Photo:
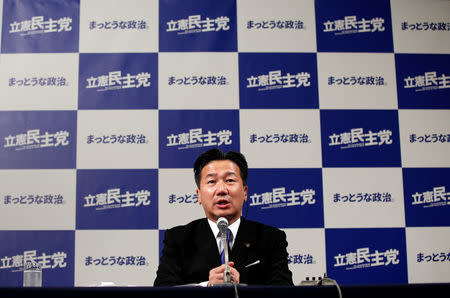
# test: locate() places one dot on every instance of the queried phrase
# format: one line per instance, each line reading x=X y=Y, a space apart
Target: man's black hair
x=217 y=154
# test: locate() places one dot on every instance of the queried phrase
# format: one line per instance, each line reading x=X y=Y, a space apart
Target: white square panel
x=114 y=139
x=306 y=257
x=37 y=199
x=357 y=81
x=276 y=26
x=39 y=81
x=428 y=251
x=416 y=28
x=424 y=138
x=363 y=197
x=178 y=204
x=123 y=257
x=281 y=138
x=198 y=81
x=116 y=26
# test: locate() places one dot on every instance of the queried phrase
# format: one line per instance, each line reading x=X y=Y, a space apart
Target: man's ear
x=245 y=193
x=198 y=196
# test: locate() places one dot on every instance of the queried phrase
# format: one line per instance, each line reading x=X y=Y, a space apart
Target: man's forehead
x=227 y=167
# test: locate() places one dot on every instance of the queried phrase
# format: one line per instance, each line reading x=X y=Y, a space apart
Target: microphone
x=222 y=224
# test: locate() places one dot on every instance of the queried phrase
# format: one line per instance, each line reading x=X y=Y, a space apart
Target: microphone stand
x=227 y=273
x=227 y=278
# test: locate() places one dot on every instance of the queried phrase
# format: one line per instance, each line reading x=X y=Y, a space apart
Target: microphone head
x=222 y=224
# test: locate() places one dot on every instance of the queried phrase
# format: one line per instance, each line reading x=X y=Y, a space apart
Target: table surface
x=384 y=291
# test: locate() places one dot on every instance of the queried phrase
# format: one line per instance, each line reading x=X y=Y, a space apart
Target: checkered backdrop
x=341 y=107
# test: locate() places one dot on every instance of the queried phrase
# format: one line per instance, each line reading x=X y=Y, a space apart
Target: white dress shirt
x=233 y=228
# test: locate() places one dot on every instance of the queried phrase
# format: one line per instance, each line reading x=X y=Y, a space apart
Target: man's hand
x=216 y=274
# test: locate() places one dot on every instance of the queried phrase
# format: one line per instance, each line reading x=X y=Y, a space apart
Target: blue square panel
x=117 y=199
x=184 y=135
x=53 y=250
x=366 y=256
x=38 y=26
x=197 y=25
x=38 y=139
x=118 y=81
x=353 y=26
x=278 y=81
x=427 y=194
x=286 y=198
x=423 y=81
x=365 y=138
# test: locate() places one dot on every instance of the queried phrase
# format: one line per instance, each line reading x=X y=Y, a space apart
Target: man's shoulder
x=192 y=226
x=261 y=227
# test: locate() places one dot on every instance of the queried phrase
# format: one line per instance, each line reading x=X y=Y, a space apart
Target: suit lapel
x=245 y=239
x=207 y=245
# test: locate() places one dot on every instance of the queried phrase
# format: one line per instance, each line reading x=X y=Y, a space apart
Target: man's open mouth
x=222 y=203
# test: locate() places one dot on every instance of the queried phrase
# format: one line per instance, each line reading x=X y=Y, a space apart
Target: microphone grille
x=222 y=223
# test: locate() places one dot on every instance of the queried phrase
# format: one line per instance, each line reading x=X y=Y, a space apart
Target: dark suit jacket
x=190 y=252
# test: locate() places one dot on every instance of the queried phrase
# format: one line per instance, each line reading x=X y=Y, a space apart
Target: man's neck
x=230 y=221
x=234 y=227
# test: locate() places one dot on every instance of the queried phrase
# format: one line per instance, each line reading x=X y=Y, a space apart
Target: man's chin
x=223 y=214
x=230 y=216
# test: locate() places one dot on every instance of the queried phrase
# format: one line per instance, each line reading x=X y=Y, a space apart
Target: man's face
x=222 y=191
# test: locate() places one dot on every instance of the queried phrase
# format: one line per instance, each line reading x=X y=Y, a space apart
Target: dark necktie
x=222 y=251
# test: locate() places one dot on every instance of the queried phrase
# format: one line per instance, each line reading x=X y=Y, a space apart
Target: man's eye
x=230 y=180
x=210 y=182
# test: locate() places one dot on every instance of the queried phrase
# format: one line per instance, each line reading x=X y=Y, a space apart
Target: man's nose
x=222 y=188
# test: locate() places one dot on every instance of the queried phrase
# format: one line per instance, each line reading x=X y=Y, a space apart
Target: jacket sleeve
x=279 y=273
x=169 y=270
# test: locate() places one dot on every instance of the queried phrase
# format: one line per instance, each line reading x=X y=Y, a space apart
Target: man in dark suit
x=191 y=253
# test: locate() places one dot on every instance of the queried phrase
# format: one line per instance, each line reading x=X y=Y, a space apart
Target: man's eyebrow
x=230 y=173
x=215 y=174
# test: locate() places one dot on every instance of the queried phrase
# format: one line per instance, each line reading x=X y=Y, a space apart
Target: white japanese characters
x=38 y=24
x=47 y=261
x=113 y=198
x=114 y=80
x=362 y=258
x=428 y=81
x=431 y=198
x=34 y=139
x=280 y=198
x=351 y=24
x=195 y=24
x=357 y=138
x=275 y=80
x=196 y=138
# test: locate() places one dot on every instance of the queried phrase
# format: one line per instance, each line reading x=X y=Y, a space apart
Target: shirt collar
x=233 y=227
